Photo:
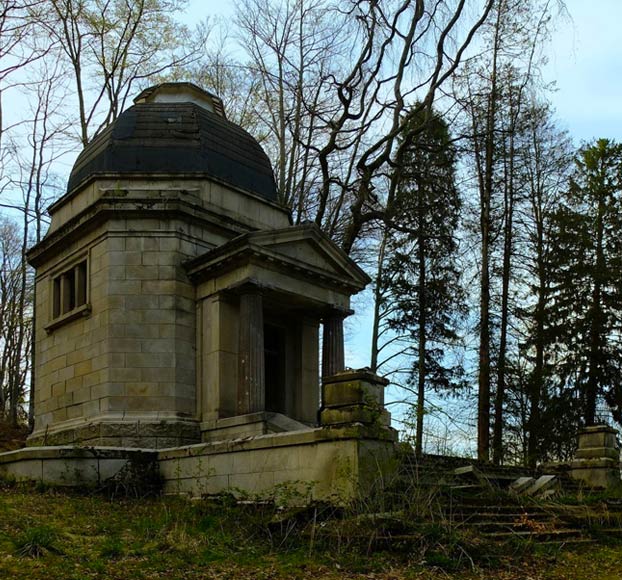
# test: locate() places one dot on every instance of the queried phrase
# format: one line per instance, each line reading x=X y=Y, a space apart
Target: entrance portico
x=260 y=301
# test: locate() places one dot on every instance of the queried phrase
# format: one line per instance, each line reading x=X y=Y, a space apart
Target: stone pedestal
x=597 y=461
x=355 y=397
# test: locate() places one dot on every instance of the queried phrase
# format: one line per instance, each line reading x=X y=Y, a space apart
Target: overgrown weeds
x=12 y=437
x=132 y=538
x=36 y=541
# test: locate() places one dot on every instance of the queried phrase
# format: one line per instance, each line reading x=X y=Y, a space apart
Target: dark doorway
x=274 y=353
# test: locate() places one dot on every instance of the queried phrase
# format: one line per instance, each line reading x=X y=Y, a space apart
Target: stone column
x=251 y=372
x=332 y=344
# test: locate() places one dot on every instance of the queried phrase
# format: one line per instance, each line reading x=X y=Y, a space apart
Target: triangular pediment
x=302 y=251
x=305 y=251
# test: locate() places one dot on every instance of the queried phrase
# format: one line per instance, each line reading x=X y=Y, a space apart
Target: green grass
x=47 y=534
x=35 y=542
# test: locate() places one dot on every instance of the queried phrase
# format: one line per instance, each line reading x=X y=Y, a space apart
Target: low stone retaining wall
x=77 y=466
x=317 y=464
x=322 y=463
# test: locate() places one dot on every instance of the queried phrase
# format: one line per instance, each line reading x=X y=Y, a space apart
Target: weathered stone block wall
x=321 y=464
x=317 y=464
x=70 y=359
x=119 y=470
x=132 y=356
x=151 y=365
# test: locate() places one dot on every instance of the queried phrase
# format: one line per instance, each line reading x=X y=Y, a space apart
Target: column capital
x=249 y=286
x=336 y=313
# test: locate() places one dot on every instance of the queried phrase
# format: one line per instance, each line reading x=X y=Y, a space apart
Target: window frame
x=69 y=292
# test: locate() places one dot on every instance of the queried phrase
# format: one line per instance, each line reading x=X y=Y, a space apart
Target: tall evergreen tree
x=585 y=310
x=421 y=274
x=548 y=164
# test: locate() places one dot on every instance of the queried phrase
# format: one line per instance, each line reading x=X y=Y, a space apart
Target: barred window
x=69 y=290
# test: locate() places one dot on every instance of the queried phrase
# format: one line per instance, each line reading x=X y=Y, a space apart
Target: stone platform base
x=251 y=425
x=334 y=464
x=78 y=466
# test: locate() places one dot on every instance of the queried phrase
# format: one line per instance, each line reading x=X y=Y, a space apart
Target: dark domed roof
x=166 y=135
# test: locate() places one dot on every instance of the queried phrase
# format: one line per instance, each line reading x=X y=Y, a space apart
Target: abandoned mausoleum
x=179 y=317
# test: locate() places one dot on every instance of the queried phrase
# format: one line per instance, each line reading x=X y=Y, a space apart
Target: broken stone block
x=542 y=484
x=522 y=484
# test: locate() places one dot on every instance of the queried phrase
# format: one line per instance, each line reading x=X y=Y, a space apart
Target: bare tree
x=18 y=46
x=15 y=328
x=338 y=78
x=493 y=89
x=110 y=46
x=220 y=70
x=294 y=49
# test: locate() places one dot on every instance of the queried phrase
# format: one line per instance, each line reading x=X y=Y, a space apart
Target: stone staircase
x=508 y=519
x=503 y=504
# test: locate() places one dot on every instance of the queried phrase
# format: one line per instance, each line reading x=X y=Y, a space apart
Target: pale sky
x=585 y=61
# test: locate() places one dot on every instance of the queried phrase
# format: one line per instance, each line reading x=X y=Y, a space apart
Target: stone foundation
x=79 y=466
x=131 y=433
x=319 y=464
x=329 y=463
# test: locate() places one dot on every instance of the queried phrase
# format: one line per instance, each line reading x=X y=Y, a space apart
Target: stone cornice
x=108 y=208
x=160 y=177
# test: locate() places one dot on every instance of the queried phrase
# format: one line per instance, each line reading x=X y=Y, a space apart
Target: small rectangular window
x=69 y=290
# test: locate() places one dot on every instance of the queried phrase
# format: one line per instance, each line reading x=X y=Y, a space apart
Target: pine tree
x=548 y=162
x=585 y=310
x=421 y=275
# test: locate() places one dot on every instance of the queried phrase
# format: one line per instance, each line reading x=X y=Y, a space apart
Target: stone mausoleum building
x=178 y=309
x=178 y=321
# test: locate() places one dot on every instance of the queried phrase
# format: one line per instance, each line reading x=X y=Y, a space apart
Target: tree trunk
x=508 y=234
x=591 y=392
x=483 y=403
x=377 y=299
x=421 y=322
x=537 y=379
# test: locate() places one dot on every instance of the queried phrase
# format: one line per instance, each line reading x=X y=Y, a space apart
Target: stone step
x=610 y=531
x=504 y=518
x=500 y=509
x=543 y=484
x=485 y=527
x=539 y=535
x=466 y=487
x=521 y=484
x=484 y=505
x=567 y=541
